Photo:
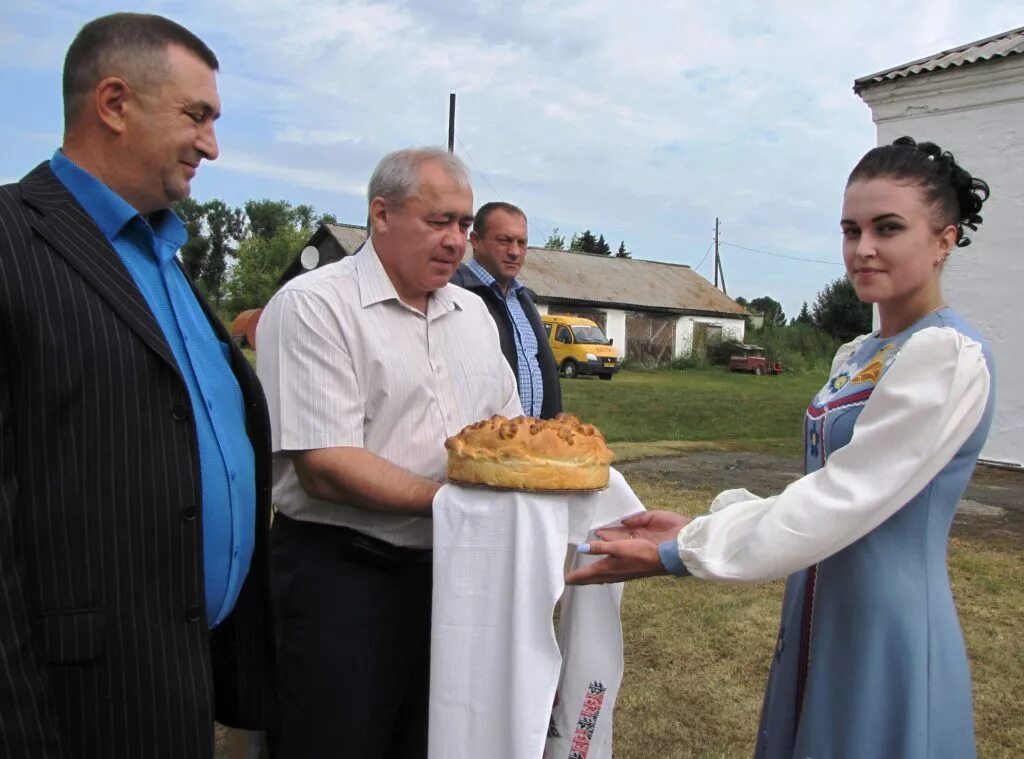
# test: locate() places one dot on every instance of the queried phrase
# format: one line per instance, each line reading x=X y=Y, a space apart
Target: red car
x=752 y=359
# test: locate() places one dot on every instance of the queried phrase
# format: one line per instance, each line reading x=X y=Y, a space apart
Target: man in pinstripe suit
x=134 y=439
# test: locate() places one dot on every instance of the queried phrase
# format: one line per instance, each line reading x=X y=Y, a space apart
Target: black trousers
x=353 y=630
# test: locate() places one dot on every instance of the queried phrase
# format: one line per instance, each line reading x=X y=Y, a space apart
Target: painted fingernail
x=583 y=548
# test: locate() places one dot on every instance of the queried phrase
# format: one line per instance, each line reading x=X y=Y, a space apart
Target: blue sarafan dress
x=870 y=659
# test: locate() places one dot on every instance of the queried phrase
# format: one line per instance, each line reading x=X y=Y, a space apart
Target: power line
x=479 y=170
x=702 y=260
x=782 y=255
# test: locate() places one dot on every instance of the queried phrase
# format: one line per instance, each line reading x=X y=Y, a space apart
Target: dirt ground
x=992 y=507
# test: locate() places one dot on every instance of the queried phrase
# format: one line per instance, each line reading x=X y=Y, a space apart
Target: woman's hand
x=631 y=550
x=653 y=526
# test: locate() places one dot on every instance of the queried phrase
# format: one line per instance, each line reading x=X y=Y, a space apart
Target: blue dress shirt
x=148 y=249
x=530 y=381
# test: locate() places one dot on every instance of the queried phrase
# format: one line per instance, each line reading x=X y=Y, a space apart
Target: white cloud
x=303 y=136
x=300 y=177
x=643 y=121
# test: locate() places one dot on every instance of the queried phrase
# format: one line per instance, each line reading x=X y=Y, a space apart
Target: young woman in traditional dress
x=870 y=659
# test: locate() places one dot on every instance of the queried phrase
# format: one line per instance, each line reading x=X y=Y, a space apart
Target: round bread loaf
x=530 y=454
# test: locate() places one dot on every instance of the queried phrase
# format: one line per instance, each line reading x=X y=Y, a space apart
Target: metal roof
x=999 y=46
x=347 y=239
x=349 y=236
x=559 y=275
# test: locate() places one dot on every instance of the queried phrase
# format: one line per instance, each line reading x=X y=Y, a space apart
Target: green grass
x=697 y=653
x=695 y=405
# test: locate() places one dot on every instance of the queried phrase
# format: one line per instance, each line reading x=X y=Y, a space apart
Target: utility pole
x=716 y=252
x=719 y=271
x=451 y=122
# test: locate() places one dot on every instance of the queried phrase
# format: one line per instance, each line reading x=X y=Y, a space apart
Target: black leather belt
x=376 y=552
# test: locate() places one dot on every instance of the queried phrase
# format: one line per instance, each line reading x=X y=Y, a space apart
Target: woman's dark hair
x=948 y=186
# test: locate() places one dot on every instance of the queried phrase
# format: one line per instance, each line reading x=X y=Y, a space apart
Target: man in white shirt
x=369 y=364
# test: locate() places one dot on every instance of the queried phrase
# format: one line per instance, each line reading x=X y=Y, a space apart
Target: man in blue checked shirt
x=499 y=239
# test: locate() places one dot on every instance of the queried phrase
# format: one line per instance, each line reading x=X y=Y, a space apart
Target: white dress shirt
x=344 y=362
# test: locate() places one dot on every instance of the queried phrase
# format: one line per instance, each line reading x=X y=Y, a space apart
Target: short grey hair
x=396 y=178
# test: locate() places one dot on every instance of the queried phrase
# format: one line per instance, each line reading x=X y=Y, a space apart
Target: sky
x=642 y=121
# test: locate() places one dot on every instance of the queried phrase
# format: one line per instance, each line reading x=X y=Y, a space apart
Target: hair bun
x=970 y=192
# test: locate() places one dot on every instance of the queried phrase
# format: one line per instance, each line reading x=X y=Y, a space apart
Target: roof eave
x=639 y=307
x=892 y=74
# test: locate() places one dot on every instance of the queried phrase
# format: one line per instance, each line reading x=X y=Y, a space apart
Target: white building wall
x=732 y=329
x=615 y=329
x=978 y=114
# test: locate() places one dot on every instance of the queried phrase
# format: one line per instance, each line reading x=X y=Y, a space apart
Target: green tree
x=260 y=262
x=622 y=252
x=304 y=216
x=197 y=247
x=583 y=243
x=267 y=217
x=805 y=315
x=838 y=311
x=225 y=227
x=770 y=308
x=601 y=247
x=278 y=232
x=555 y=240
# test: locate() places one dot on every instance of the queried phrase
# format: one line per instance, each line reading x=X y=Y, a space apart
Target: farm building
x=970 y=100
x=332 y=242
x=657 y=311
x=653 y=311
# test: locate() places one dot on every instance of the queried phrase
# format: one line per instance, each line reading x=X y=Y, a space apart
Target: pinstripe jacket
x=104 y=646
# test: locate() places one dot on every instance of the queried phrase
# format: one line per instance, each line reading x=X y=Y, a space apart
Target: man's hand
x=632 y=549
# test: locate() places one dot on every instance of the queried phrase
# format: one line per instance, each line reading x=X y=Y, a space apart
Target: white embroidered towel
x=499 y=559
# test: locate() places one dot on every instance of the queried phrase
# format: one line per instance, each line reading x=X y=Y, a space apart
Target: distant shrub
x=800 y=347
x=632 y=365
x=685 y=362
x=721 y=351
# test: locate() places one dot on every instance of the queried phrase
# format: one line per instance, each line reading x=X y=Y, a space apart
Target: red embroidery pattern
x=587 y=721
x=859 y=397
